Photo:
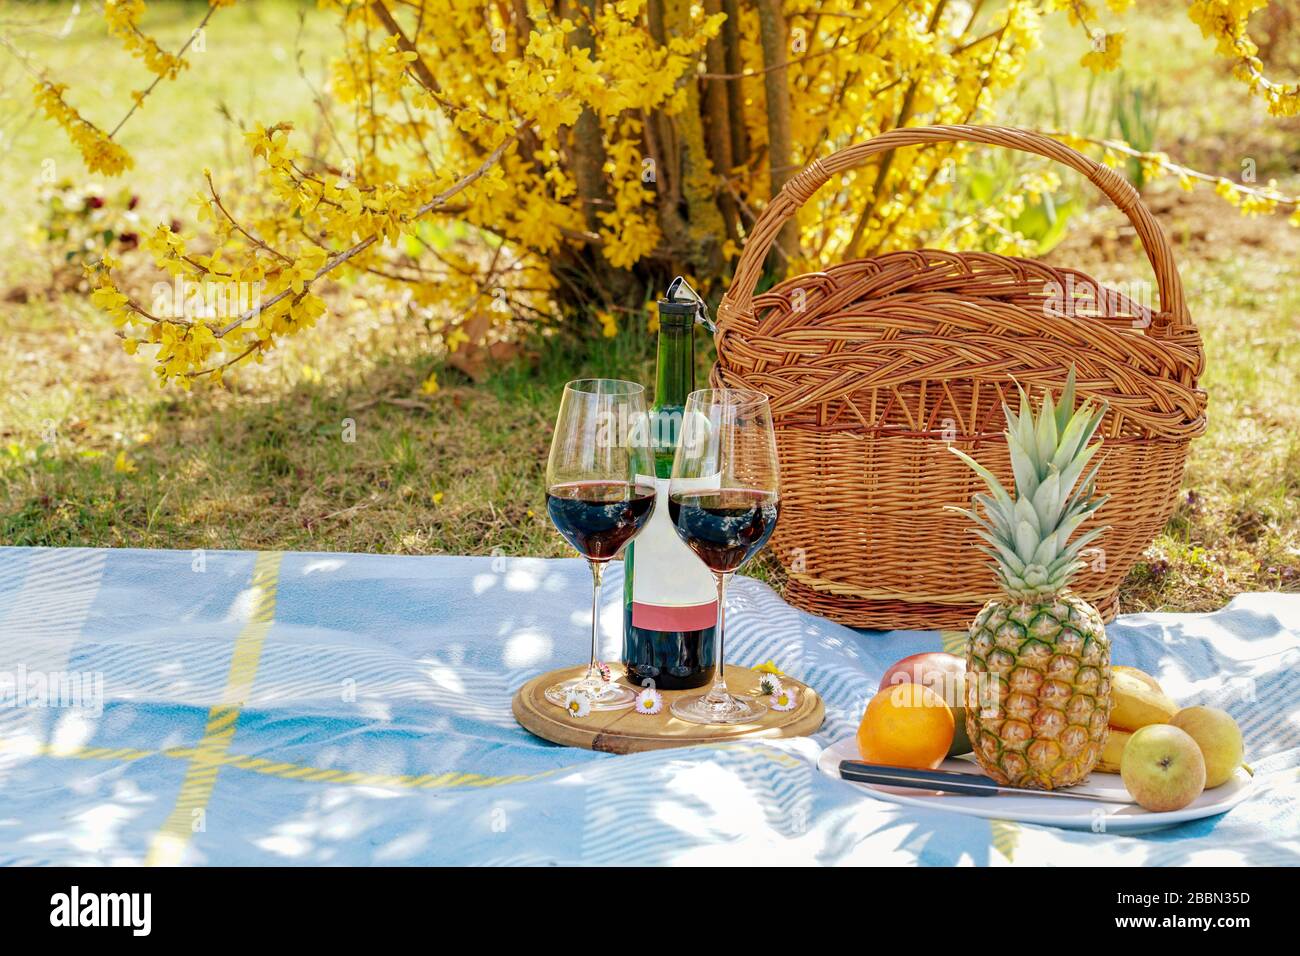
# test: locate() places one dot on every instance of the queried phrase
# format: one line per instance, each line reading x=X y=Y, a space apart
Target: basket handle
x=800 y=188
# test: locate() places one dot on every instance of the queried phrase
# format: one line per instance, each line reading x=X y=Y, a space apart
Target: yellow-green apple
x=1219 y=738
x=1162 y=767
x=945 y=674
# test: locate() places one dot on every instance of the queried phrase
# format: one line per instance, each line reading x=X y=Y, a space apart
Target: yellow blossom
x=1228 y=191
x=100 y=153
x=455 y=339
x=356 y=214
x=1106 y=52
x=608 y=324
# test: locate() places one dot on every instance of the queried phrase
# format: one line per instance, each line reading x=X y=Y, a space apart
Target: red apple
x=945 y=674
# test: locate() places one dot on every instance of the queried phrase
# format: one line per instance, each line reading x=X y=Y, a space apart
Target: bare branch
x=139 y=100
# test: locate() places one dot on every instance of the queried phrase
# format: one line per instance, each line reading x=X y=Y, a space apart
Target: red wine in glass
x=600 y=493
x=599 y=517
x=727 y=527
x=724 y=501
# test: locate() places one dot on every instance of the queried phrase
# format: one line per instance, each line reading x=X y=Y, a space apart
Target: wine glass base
x=604 y=696
x=733 y=710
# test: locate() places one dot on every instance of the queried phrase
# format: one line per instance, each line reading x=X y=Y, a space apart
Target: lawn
x=333 y=446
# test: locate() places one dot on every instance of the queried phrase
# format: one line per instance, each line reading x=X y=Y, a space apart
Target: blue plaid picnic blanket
x=176 y=707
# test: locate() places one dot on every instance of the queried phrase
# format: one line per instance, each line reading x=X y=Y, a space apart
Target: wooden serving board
x=625 y=731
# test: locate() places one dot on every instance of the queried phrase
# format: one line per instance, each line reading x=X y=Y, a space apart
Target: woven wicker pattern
x=875 y=366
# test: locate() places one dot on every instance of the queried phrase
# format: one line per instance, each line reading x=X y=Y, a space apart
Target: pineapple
x=1039 y=704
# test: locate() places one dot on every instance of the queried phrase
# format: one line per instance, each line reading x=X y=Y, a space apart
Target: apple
x=1162 y=767
x=1219 y=738
x=945 y=674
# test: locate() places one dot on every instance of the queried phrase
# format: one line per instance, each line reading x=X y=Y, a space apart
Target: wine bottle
x=670 y=603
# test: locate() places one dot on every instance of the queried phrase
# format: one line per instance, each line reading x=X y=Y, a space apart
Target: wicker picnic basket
x=876 y=365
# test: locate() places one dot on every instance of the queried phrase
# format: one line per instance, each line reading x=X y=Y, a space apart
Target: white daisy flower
x=577 y=703
x=649 y=701
x=784 y=700
x=769 y=685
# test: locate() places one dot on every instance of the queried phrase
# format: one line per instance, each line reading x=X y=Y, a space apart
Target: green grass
x=353 y=464
x=265 y=464
x=1237 y=526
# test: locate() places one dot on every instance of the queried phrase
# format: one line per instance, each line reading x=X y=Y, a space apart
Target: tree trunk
x=587 y=161
x=718 y=124
x=661 y=145
x=733 y=66
x=699 y=184
x=588 y=149
x=780 y=151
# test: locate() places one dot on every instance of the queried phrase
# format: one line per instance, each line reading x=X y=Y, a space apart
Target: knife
x=947 y=781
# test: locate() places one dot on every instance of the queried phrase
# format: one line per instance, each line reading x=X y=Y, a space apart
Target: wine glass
x=724 y=498
x=600 y=492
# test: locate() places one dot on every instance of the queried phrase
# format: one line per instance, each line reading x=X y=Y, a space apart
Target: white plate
x=1069 y=814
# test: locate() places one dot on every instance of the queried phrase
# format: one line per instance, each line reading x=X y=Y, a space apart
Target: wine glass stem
x=718 y=692
x=597 y=574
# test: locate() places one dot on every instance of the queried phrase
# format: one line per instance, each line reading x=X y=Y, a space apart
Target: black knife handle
x=967 y=784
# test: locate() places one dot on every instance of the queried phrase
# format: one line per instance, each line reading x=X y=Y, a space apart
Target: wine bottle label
x=672 y=590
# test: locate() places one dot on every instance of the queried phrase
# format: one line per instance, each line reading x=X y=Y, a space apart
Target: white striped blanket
x=235 y=708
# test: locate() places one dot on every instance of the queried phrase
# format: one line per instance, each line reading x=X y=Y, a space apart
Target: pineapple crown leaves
x=1028 y=535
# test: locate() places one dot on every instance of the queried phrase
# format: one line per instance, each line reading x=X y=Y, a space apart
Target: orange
x=907 y=725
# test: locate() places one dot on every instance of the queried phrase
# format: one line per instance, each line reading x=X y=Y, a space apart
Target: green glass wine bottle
x=670 y=607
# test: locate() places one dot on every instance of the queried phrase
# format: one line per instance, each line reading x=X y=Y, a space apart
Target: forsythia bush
x=581 y=149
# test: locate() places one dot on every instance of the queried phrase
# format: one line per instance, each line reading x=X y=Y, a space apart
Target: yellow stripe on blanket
x=168 y=846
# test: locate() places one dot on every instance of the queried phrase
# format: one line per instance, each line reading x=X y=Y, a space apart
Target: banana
x=1135 y=704
x=1113 y=751
x=1141 y=675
